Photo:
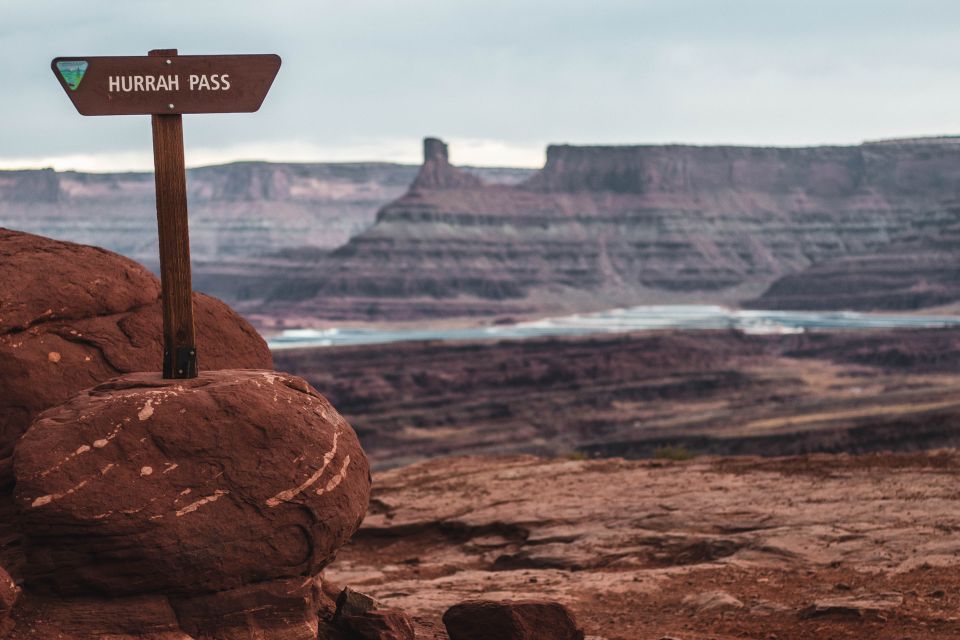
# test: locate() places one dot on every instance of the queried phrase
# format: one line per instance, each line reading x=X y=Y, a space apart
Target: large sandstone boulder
x=72 y=316
x=184 y=487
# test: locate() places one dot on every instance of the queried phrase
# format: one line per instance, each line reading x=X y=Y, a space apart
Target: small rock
x=855 y=606
x=380 y=624
x=520 y=620
x=842 y=586
x=767 y=608
x=712 y=602
x=354 y=603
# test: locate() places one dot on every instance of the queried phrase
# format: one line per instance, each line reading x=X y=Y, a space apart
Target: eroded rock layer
x=617 y=225
x=637 y=394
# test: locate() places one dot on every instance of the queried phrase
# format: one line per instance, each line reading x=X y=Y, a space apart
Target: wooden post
x=165 y=85
x=179 y=339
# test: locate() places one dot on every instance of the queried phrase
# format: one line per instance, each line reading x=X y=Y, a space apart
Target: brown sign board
x=158 y=84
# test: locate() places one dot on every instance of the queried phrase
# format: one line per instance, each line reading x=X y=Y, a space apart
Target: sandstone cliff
x=626 y=225
x=240 y=213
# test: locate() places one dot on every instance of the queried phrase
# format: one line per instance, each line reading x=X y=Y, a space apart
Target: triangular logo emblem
x=72 y=72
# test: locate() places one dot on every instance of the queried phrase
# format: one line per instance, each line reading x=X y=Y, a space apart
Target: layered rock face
x=914 y=273
x=231 y=478
x=72 y=316
x=236 y=211
x=619 y=225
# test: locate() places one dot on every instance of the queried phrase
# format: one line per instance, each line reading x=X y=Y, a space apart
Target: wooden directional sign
x=146 y=85
x=164 y=85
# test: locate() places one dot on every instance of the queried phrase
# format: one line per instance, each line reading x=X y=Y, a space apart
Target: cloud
x=502 y=77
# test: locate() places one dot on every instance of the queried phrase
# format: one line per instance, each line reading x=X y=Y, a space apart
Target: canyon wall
x=917 y=272
x=236 y=211
x=605 y=226
x=247 y=219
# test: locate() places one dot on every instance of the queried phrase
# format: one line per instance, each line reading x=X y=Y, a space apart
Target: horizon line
x=522 y=156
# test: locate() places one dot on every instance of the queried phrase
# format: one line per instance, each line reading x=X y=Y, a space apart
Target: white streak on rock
x=146 y=411
x=285 y=496
x=337 y=479
x=42 y=500
x=193 y=506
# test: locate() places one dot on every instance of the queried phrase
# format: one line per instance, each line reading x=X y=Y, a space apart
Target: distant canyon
x=865 y=227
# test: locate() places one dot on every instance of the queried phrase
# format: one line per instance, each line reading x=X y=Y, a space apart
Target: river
x=646 y=318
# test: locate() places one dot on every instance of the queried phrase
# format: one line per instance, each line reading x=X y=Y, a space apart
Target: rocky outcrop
x=72 y=316
x=237 y=210
x=516 y=620
x=604 y=226
x=237 y=488
x=917 y=272
x=245 y=217
x=820 y=546
x=437 y=172
x=641 y=395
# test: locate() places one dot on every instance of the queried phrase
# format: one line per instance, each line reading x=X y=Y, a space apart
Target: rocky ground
x=822 y=546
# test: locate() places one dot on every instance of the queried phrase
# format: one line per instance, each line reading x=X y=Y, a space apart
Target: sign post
x=164 y=86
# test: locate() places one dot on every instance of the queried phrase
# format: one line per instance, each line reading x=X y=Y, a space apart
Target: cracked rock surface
x=809 y=547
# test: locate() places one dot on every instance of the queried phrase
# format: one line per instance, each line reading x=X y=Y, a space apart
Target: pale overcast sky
x=498 y=79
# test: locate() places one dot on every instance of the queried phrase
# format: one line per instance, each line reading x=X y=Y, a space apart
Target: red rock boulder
x=72 y=316
x=182 y=487
x=521 y=620
x=363 y=618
